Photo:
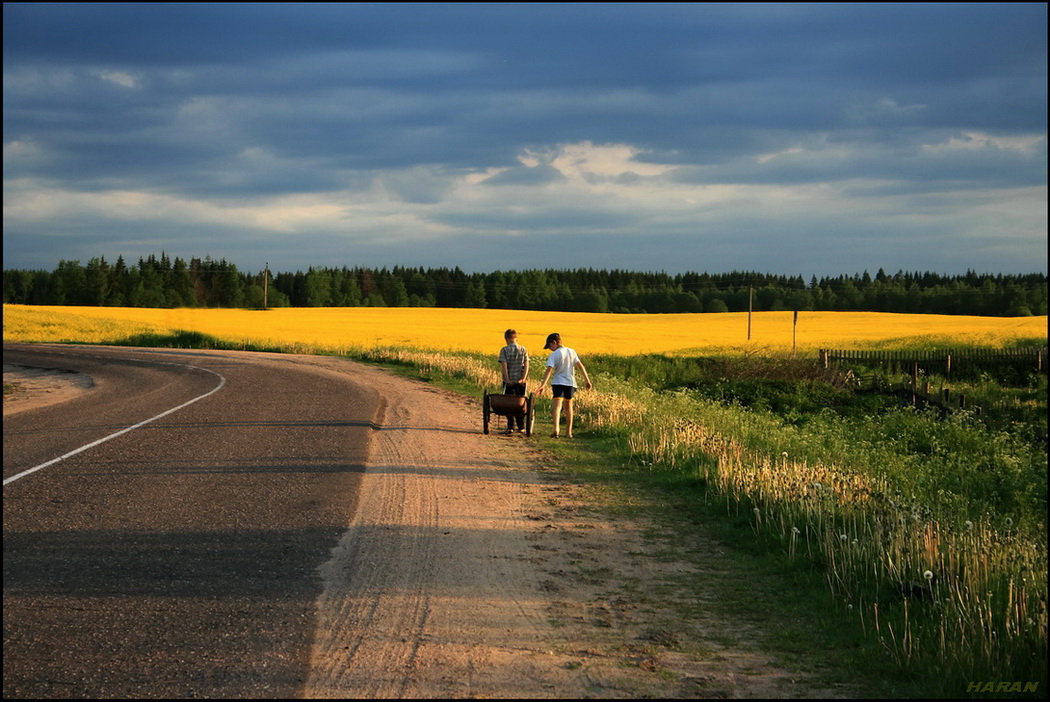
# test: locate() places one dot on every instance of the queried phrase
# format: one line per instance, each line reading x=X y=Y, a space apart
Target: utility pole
x=794 y=333
x=266 y=278
x=750 y=297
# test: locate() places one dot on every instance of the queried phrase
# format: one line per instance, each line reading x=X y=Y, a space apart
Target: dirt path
x=471 y=570
x=37 y=387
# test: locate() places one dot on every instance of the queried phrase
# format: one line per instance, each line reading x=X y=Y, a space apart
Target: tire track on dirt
x=472 y=569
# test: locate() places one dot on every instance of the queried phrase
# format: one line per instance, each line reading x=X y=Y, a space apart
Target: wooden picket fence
x=947 y=357
x=912 y=361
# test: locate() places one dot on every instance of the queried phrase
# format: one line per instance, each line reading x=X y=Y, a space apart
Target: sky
x=793 y=139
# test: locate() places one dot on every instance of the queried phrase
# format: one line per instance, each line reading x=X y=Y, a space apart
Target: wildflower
x=794 y=530
x=844 y=538
x=1009 y=522
x=928 y=575
x=969 y=525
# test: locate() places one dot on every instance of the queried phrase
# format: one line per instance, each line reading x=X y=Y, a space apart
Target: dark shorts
x=566 y=391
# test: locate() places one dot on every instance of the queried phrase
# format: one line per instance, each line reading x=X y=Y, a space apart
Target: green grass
x=182 y=339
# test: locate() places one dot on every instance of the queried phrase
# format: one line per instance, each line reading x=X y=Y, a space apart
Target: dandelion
x=969 y=525
x=844 y=538
x=1008 y=522
x=795 y=531
x=928 y=575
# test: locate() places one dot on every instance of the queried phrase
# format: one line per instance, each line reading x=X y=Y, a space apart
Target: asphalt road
x=178 y=559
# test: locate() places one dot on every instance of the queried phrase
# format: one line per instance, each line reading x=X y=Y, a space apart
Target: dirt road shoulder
x=29 y=388
x=474 y=569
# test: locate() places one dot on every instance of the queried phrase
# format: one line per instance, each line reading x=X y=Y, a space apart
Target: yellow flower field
x=481 y=330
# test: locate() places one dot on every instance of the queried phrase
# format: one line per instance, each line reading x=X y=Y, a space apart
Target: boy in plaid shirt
x=514 y=360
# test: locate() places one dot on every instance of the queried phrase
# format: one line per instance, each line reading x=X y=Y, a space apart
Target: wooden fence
x=907 y=359
x=912 y=361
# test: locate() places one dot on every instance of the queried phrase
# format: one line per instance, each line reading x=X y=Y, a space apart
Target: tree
x=475 y=296
x=394 y=292
x=318 y=287
x=716 y=304
x=97 y=282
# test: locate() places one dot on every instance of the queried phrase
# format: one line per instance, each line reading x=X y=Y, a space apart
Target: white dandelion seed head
x=794 y=530
x=1009 y=522
x=928 y=575
x=969 y=525
x=843 y=537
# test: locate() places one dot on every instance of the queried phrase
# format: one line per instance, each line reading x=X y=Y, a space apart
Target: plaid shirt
x=514 y=355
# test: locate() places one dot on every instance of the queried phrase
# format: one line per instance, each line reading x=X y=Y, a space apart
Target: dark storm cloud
x=361 y=108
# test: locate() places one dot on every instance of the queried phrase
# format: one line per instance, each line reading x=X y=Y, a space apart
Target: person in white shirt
x=561 y=372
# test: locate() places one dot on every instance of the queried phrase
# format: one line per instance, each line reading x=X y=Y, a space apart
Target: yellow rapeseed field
x=481 y=330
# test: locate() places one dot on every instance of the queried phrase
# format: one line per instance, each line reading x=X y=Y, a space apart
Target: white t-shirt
x=563 y=361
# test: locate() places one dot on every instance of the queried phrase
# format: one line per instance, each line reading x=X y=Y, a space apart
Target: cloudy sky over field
x=798 y=139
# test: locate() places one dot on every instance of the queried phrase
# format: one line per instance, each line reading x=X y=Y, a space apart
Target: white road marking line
x=222 y=382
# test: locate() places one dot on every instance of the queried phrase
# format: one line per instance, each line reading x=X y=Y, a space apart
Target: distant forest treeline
x=166 y=282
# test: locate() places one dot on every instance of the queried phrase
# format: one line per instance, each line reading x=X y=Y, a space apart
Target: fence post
x=915 y=383
x=824 y=358
x=947 y=394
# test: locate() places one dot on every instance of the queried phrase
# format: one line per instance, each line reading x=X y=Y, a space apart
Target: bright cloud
x=120 y=78
x=585 y=161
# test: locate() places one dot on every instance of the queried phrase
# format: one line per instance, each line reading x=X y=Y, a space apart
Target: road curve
x=179 y=558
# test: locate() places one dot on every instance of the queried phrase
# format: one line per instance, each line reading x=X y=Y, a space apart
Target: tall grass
x=929 y=531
